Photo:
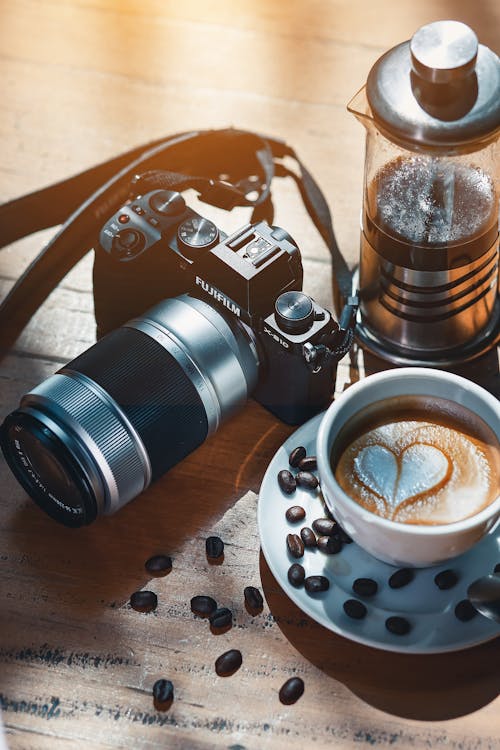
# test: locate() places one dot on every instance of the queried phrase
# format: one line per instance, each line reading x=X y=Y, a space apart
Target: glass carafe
x=428 y=272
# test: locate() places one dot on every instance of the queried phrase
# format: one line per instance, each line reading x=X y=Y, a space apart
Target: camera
x=145 y=251
x=230 y=321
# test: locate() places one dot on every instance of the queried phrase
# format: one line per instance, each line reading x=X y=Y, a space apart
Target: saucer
x=430 y=611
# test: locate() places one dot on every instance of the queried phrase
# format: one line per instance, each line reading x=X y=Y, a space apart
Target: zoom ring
x=94 y=422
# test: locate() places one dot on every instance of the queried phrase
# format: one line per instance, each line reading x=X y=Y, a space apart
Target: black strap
x=237 y=168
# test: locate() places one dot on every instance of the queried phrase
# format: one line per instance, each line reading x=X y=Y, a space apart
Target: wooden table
x=81 y=81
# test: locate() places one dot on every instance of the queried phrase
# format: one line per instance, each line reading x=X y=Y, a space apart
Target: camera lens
x=94 y=435
x=48 y=471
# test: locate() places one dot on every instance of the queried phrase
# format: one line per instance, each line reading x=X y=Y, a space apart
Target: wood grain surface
x=80 y=81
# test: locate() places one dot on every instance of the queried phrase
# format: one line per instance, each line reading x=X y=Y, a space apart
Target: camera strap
x=226 y=167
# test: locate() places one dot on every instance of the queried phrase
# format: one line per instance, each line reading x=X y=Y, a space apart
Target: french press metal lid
x=442 y=88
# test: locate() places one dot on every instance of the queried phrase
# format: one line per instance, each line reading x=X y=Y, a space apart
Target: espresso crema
x=418 y=460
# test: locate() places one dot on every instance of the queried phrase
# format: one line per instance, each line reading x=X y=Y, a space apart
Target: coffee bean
x=313 y=584
x=308 y=537
x=344 y=536
x=329 y=544
x=221 y=618
x=144 y=601
x=496 y=569
x=401 y=577
x=365 y=587
x=159 y=565
x=295 y=545
x=354 y=609
x=398 y=625
x=308 y=463
x=286 y=481
x=296 y=575
x=228 y=663
x=203 y=606
x=295 y=514
x=214 y=547
x=307 y=480
x=465 y=611
x=446 y=579
x=291 y=690
x=253 y=598
x=163 y=694
x=324 y=526
x=296 y=456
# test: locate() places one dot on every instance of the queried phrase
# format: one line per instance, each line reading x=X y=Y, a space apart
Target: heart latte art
x=420 y=471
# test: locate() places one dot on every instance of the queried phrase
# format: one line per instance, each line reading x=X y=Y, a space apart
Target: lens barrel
x=94 y=435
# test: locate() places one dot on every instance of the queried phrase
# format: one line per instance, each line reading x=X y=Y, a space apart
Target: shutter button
x=294 y=312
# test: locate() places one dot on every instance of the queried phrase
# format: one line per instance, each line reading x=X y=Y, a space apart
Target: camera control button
x=124 y=218
x=294 y=312
x=197 y=234
x=138 y=210
x=154 y=221
x=167 y=203
x=128 y=242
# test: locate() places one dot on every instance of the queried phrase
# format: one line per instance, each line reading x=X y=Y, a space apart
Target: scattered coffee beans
x=296 y=456
x=295 y=514
x=365 y=587
x=307 y=480
x=446 y=579
x=314 y=584
x=344 y=536
x=401 y=578
x=354 y=609
x=295 y=545
x=324 y=526
x=397 y=625
x=163 y=694
x=227 y=663
x=214 y=547
x=287 y=482
x=203 y=606
x=159 y=565
x=308 y=463
x=253 y=598
x=221 y=618
x=296 y=575
x=329 y=544
x=144 y=601
x=465 y=611
x=291 y=690
x=308 y=537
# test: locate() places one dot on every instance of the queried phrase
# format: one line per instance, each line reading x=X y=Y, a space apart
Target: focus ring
x=152 y=390
x=98 y=427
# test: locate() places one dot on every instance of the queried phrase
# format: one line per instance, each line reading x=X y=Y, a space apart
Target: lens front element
x=47 y=470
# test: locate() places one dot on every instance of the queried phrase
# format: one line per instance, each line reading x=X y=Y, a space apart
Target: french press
x=428 y=271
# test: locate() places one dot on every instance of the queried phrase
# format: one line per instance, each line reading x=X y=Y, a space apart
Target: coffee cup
x=409 y=464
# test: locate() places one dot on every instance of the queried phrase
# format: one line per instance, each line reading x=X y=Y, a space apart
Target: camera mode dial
x=167 y=203
x=196 y=233
x=294 y=312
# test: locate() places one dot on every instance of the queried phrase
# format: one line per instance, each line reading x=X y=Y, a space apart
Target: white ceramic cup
x=398 y=543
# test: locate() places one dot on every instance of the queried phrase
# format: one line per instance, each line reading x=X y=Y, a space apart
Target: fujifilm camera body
x=157 y=247
x=225 y=319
